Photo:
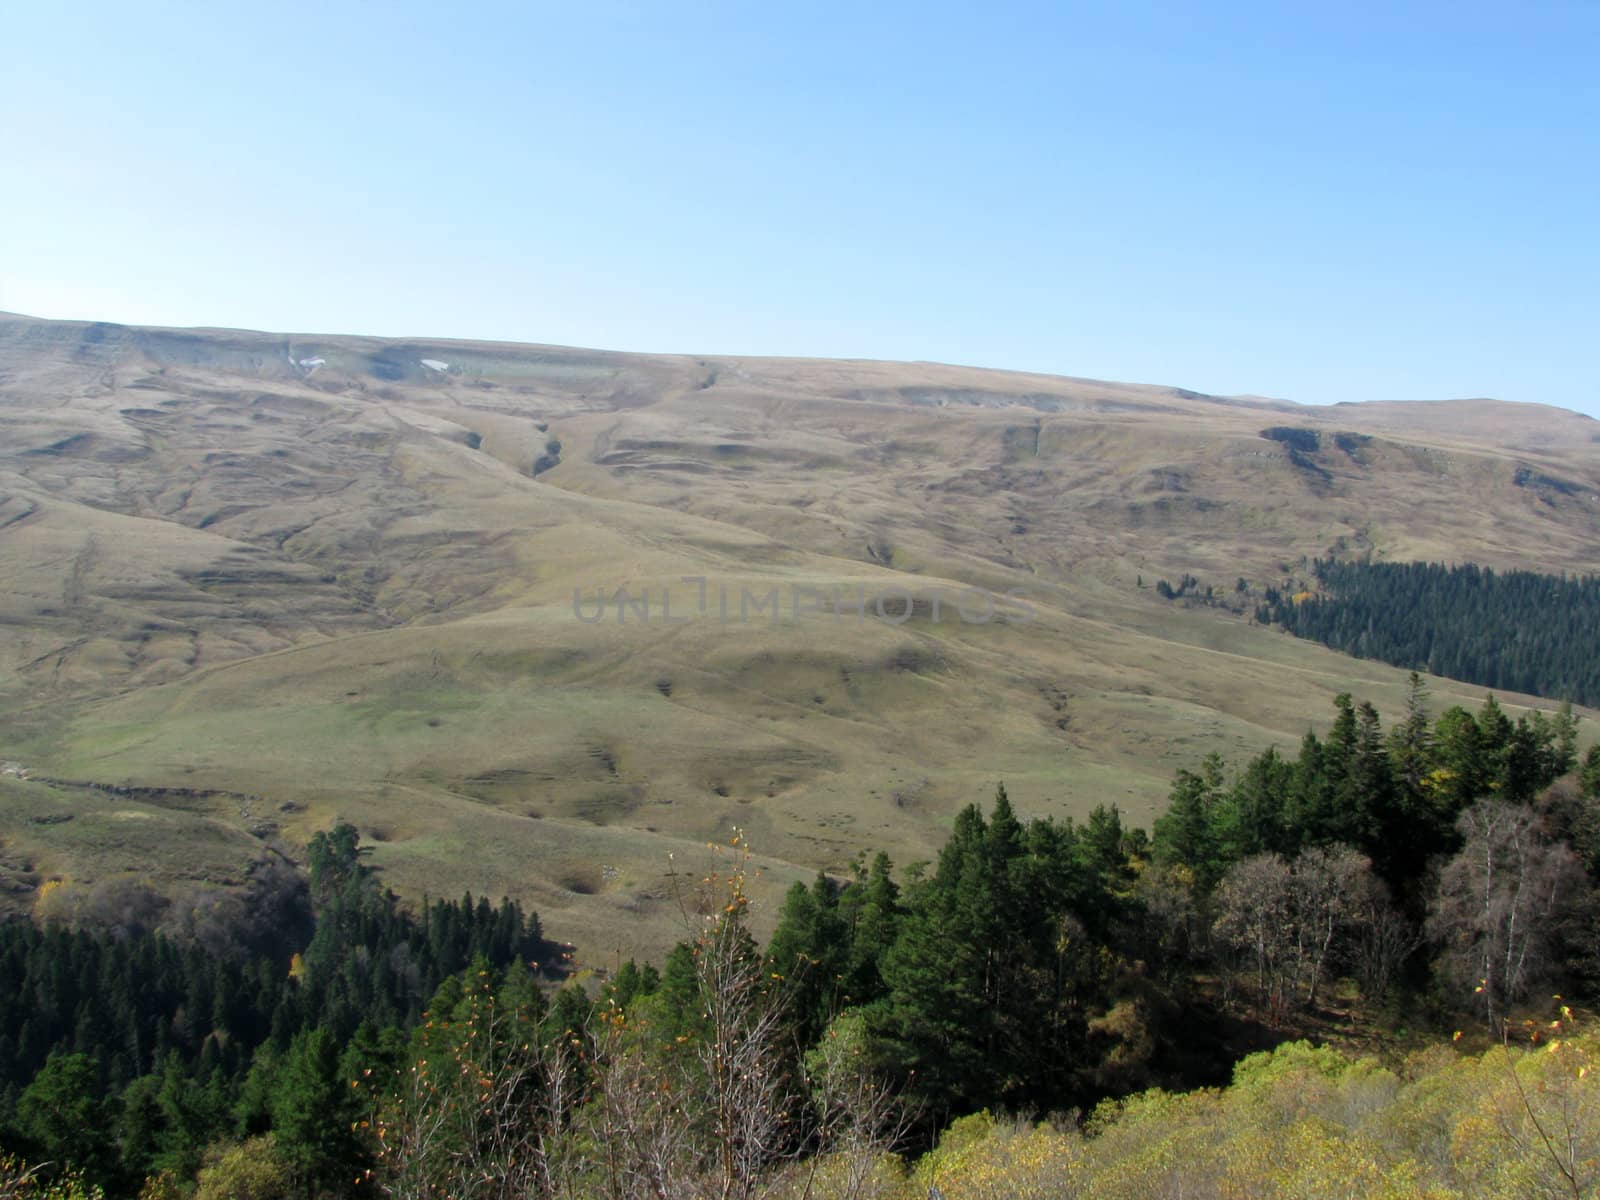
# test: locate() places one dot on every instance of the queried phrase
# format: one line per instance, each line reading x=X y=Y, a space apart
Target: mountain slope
x=262 y=580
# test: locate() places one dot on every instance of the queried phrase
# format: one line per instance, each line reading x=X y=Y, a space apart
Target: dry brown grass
x=343 y=589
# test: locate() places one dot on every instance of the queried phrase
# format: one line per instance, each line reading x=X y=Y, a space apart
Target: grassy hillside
x=261 y=581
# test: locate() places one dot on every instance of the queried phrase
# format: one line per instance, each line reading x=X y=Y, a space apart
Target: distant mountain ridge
x=266 y=579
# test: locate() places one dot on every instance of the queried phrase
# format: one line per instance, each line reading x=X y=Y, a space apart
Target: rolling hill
x=254 y=582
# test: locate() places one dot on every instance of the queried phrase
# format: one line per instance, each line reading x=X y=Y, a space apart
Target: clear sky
x=1320 y=201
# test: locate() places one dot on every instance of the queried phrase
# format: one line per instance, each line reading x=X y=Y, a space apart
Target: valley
x=255 y=584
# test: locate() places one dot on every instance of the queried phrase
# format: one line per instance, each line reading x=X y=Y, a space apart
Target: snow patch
x=433 y=364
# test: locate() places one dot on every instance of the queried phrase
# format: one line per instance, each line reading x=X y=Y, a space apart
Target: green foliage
x=1395 y=797
x=128 y=1056
x=1192 y=829
x=1304 y=1121
x=334 y=860
x=842 y=1049
x=871 y=910
x=191 y=1114
x=464 y=1117
x=630 y=982
x=313 y=1109
x=810 y=951
x=63 y=1118
x=1516 y=631
x=20 y=1180
x=1038 y=964
x=128 y=1003
x=251 y=1170
x=990 y=979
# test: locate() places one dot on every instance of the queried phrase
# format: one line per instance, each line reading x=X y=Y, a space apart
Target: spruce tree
x=312 y=1113
x=64 y=1119
x=809 y=950
x=935 y=1021
x=1253 y=817
x=870 y=912
x=1411 y=745
x=1187 y=834
x=1461 y=759
x=1589 y=774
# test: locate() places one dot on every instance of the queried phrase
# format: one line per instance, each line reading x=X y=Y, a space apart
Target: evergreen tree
x=334 y=860
x=810 y=951
x=189 y=1121
x=1411 y=751
x=631 y=982
x=869 y=913
x=1310 y=817
x=139 y=1127
x=990 y=978
x=1253 y=818
x=1494 y=741
x=936 y=1023
x=1564 y=747
x=1187 y=832
x=1379 y=817
x=312 y=1114
x=1339 y=768
x=1518 y=630
x=64 y=1118
x=1589 y=774
x=1464 y=772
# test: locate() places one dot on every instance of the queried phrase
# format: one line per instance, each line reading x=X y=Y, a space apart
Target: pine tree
x=1464 y=775
x=334 y=860
x=809 y=950
x=1372 y=786
x=936 y=1022
x=1564 y=751
x=870 y=912
x=312 y=1114
x=65 y=1120
x=139 y=1125
x=1411 y=746
x=1187 y=832
x=188 y=1121
x=1494 y=740
x=1589 y=774
x=1309 y=814
x=1252 y=819
x=629 y=983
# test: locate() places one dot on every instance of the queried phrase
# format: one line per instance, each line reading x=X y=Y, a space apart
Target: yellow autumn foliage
x=49 y=902
x=1307 y=1123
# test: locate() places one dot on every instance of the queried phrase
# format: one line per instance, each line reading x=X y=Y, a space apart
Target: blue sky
x=1322 y=202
